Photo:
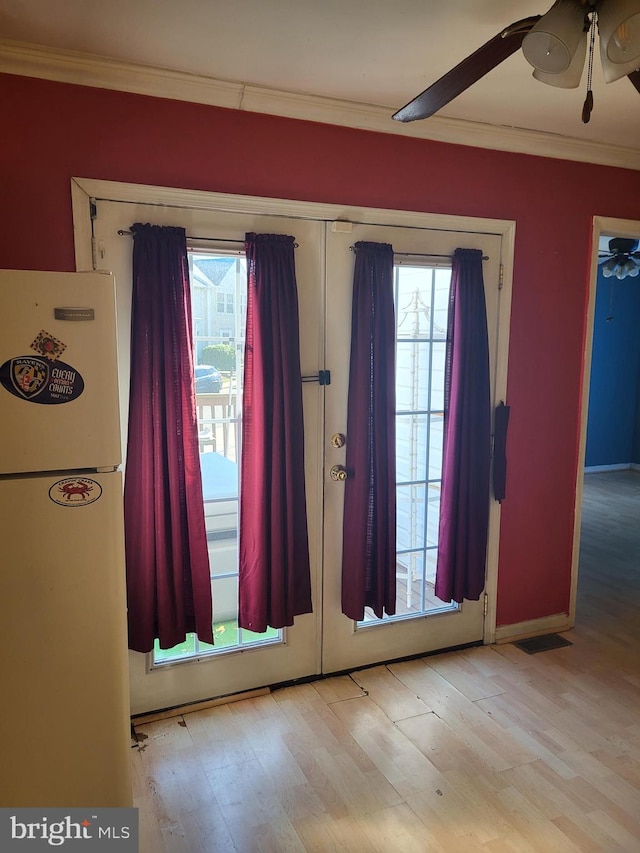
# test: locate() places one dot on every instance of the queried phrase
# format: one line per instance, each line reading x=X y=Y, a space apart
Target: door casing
x=601 y=226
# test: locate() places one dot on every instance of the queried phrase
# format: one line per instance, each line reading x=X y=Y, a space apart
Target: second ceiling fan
x=556 y=44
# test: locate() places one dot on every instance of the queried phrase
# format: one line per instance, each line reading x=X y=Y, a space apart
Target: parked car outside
x=208 y=379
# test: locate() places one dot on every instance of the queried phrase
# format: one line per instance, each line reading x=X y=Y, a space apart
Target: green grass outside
x=225 y=635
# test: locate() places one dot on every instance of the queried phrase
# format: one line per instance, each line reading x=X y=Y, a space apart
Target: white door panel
x=345 y=645
x=299 y=654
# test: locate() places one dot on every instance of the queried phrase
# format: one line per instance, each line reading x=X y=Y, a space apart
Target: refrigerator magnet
x=39 y=380
x=75 y=491
x=48 y=346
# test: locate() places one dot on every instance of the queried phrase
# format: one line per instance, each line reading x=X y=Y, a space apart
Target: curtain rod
x=421 y=255
x=124 y=233
x=427 y=255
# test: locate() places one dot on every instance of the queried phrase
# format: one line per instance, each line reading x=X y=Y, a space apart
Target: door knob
x=338 y=472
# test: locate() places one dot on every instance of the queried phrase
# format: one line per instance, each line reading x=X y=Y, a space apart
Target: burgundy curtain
x=464 y=501
x=168 y=586
x=275 y=580
x=369 y=535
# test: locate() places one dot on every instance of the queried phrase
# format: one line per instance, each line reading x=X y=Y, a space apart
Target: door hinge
x=485 y=608
x=501 y=277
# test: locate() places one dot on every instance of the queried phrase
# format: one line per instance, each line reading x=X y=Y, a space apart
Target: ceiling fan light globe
x=546 y=53
x=612 y=71
x=634 y=272
x=569 y=79
x=619 y=26
x=552 y=42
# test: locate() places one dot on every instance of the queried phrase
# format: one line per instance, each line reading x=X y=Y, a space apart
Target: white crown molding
x=29 y=60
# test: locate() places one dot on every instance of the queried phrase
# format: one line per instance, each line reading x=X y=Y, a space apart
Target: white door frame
x=602 y=226
x=88 y=257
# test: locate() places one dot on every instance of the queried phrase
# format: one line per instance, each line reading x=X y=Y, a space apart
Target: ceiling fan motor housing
x=622 y=245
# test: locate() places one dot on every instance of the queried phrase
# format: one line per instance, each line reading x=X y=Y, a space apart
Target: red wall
x=54 y=131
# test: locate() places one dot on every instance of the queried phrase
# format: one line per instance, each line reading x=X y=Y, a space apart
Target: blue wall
x=613 y=427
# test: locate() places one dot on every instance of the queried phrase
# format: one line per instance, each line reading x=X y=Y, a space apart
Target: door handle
x=338 y=472
x=338 y=440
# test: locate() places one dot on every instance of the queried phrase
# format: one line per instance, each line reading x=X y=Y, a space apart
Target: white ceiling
x=376 y=52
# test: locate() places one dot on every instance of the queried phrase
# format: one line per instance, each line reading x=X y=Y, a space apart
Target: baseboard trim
x=596 y=469
x=533 y=628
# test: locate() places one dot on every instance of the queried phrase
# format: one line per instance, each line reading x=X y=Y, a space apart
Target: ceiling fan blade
x=635 y=79
x=467 y=72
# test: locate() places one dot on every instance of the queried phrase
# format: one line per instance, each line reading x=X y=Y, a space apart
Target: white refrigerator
x=64 y=713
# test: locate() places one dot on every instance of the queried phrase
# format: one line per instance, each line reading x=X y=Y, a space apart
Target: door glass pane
x=441 y=283
x=218 y=285
x=412 y=381
x=421 y=303
x=438 y=354
x=436 y=438
x=411 y=512
x=411 y=445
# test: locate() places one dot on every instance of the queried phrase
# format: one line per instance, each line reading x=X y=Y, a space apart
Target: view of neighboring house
x=218 y=299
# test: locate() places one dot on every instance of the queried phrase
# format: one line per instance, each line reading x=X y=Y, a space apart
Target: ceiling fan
x=556 y=45
x=621 y=260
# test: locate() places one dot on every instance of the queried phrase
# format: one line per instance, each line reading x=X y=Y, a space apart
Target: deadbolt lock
x=338 y=440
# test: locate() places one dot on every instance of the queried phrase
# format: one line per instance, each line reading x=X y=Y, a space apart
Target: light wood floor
x=487 y=749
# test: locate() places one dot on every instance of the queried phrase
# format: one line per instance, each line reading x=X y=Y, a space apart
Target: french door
x=295 y=652
x=325 y=641
x=422 y=274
